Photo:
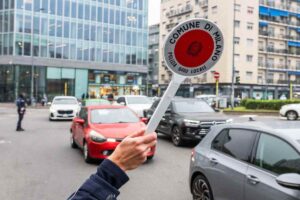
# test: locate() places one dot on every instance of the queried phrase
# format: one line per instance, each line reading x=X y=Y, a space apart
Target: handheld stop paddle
x=191 y=48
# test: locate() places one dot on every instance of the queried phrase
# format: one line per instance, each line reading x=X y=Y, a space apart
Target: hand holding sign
x=191 y=48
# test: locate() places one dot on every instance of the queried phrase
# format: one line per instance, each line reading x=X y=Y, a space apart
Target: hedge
x=266 y=104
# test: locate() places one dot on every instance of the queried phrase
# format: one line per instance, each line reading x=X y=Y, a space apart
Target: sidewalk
x=12 y=105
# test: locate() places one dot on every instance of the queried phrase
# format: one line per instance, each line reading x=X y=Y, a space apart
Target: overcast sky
x=154 y=11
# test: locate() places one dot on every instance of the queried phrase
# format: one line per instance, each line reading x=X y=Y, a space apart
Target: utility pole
x=233 y=59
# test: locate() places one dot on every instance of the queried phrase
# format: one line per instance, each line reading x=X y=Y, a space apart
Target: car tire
x=201 y=188
x=176 y=136
x=150 y=157
x=291 y=115
x=72 y=142
x=86 y=155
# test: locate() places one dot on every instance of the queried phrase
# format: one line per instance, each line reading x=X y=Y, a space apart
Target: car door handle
x=213 y=161
x=253 y=179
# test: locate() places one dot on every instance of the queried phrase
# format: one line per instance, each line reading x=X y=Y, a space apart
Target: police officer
x=21 y=111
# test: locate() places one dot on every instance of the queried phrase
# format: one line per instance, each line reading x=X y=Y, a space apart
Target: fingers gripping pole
x=164 y=102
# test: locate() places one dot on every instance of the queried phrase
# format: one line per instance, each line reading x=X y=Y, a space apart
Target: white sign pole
x=164 y=102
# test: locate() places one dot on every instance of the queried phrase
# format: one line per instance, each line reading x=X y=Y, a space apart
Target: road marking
x=247 y=116
x=5 y=142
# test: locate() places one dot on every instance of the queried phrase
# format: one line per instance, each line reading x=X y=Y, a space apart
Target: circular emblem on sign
x=193 y=47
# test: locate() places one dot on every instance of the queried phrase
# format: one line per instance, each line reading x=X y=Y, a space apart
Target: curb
x=252 y=113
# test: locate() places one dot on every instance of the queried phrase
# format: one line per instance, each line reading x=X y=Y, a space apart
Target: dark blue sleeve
x=103 y=185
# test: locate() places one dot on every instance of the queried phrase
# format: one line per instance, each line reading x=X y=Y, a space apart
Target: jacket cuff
x=113 y=174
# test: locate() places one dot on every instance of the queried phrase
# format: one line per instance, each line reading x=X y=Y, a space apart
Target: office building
x=262 y=45
x=72 y=47
x=153 y=59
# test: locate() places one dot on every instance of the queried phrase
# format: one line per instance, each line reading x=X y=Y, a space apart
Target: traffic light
x=237 y=80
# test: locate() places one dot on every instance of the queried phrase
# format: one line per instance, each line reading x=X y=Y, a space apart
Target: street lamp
x=31 y=50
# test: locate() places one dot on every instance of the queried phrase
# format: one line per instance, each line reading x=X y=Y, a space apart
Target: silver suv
x=238 y=162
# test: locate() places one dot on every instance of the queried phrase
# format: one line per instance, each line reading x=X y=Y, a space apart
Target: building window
x=236 y=57
x=260 y=61
x=249 y=42
x=214 y=9
x=236 y=40
x=163 y=77
x=249 y=75
x=237 y=7
x=250 y=10
x=297 y=65
x=249 y=25
x=237 y=23
x=281 y=77
x=249 y=58
x=197 y=14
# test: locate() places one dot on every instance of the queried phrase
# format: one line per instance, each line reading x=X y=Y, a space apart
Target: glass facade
x=102 y=31
x=92 y=31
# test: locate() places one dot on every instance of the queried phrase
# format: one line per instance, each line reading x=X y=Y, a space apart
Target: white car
x=290 y=111
x=137 y=103
x=64 y=107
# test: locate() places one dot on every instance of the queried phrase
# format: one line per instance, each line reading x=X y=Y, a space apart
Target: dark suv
x=187 y=119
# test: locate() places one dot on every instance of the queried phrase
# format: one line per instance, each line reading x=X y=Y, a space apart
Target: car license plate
x=65 y=115
x=111 y=140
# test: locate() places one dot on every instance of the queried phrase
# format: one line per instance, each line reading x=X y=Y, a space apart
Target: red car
x=99 y=129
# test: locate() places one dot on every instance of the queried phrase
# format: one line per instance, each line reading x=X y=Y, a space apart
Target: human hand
x=133 y=150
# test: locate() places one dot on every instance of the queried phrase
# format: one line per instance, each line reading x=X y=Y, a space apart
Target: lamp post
x=31 y=50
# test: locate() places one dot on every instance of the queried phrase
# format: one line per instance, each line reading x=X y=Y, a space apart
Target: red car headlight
x=96 y=137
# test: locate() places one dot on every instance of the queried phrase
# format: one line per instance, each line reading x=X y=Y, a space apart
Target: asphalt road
x=39 y=163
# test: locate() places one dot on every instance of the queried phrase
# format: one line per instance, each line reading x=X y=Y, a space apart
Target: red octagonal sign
x=193 y=47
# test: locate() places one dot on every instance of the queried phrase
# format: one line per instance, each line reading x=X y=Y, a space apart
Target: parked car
x=137 y=103
x=92 y=102
x=187 y=119
x=242 y=162
x=290 y=111
x=63 y=108
x=209 y=98
x=99 y=129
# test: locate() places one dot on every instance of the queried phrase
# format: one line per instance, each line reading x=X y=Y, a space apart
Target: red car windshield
x=113 y=116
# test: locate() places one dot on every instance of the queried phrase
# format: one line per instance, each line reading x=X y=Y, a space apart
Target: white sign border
x=170 y=47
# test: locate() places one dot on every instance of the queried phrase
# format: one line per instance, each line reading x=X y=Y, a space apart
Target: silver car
x=239 y=162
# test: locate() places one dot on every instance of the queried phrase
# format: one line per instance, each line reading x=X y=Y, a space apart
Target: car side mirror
x=49 y=103
x=168 y=112
x=291 y=180
x=79 y=120
x=144 y=119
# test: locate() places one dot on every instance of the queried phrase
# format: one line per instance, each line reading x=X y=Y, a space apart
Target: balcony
x=280 y=20
x=280 y=6
x=277 y=67
x=179 y=11
x=294 y=52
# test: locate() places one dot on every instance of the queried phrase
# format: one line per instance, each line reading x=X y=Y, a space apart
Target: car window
x=237 y=143
x=112 y=116
x=138 y=100
x=276 y=155
x=64 y=101
x=192 y=107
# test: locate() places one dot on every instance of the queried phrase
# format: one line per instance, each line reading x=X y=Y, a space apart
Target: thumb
x=137 y=133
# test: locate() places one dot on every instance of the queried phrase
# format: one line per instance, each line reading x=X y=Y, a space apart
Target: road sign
x=216 y=75
x=191 y=48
